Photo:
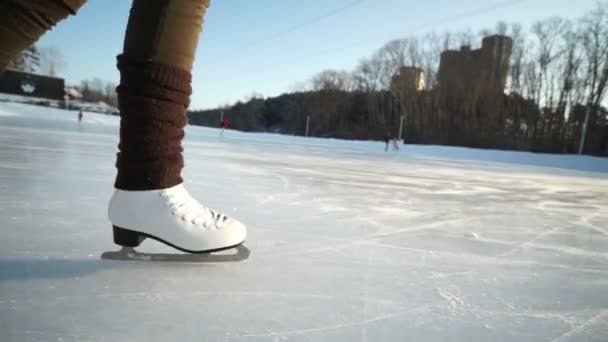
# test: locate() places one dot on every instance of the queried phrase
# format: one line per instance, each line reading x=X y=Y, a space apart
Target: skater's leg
x=22 y=23
x=154 y=90
x=153 y=95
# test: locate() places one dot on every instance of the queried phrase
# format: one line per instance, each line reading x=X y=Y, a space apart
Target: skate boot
x=174 y=218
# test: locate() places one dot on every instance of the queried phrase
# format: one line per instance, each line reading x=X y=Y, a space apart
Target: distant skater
x=395 y=144
x=223 y=126
x=387 y=139
x=80 y=116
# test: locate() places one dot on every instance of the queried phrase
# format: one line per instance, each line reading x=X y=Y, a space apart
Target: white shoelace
x=188 y=209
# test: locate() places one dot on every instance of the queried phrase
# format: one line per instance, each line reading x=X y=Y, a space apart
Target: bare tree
x=431 y=53
x=465 y=38
x=447 y=41
x=368 y=76
x=333 y=80
x=52 y=61
x=110 y=94
x=299 y=87
x=517 y=58
x=547 y=33
x=96 y=90
x=502 y=28
x=594 y=34
x=569 y=65
x=371 y=77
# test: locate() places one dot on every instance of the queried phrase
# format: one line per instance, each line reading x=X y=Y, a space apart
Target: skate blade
x=127 y=253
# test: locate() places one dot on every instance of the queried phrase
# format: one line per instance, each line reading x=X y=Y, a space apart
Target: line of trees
x=96 y=89
x=557 y=82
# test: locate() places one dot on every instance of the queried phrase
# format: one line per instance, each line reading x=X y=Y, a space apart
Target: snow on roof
x=73 y=92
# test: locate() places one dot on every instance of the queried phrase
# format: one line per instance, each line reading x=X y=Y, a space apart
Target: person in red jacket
x=223 y=125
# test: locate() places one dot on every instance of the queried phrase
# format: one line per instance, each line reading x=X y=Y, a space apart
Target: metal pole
x=581 y=145
x=400 y=136
x=307 y=124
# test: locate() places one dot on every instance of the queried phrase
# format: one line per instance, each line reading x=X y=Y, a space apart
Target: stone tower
x=495 y=56
x=409 y=80
x=474 y=72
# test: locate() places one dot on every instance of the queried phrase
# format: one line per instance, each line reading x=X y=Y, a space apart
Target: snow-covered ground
x=97 y=107
x=348 y=243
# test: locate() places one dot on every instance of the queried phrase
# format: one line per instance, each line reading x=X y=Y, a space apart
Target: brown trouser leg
x=154 y=91
x=23 y=22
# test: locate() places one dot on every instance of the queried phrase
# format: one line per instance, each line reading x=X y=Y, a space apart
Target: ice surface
x=348 y=243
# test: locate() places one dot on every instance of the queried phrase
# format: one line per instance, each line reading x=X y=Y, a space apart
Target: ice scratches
x=38 y=335
x=442 y=275
x=478 y=259
x=581 y=328
x=386 y=234
x=528 y=243
x=172 y=295
x=337 y=326
x=285 y=182
x=532 y=243
x=274 y=197
x=571 y=251
x=451 y=297
x=565 y=317
x=586 y=221
x=456 y=304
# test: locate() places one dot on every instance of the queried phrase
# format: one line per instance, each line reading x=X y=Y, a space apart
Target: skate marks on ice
x=240 y=253
x=582 y=328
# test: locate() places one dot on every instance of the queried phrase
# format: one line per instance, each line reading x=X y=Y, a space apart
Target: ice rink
x=348 y=243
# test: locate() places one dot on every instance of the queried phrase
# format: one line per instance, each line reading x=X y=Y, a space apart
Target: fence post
x=400 y=136
x=581 y=145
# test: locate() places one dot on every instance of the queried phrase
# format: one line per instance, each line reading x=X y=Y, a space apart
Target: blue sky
x=241 y=53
